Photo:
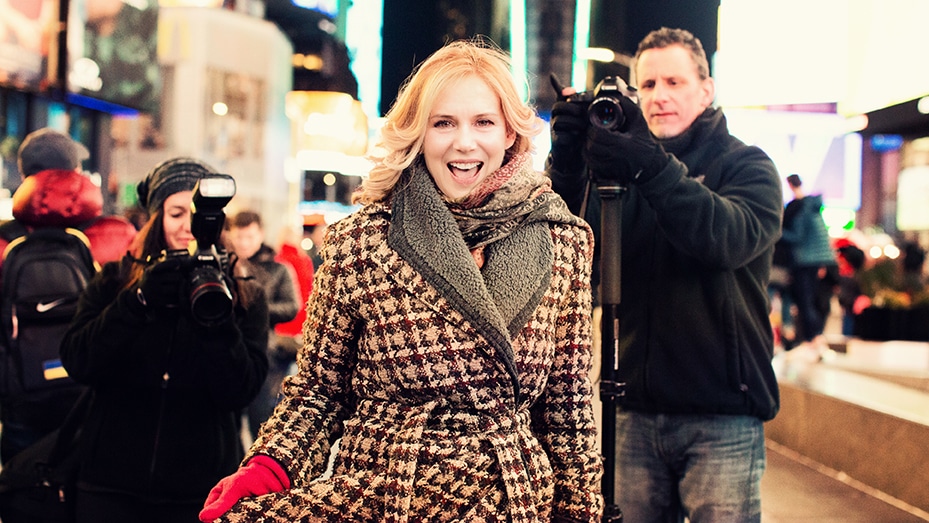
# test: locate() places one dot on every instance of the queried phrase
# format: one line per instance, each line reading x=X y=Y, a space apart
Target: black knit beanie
x=169 y=177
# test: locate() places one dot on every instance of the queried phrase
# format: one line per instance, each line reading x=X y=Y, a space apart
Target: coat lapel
x=424 y=233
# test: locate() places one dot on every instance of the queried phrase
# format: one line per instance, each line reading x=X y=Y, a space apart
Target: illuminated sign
x=112 y=52
x=327 y=7
x=28 y=44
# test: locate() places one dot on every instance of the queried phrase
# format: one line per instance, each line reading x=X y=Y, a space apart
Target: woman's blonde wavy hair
x=401 y=138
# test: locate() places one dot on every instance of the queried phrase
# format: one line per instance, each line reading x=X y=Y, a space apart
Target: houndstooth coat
x=459 y=394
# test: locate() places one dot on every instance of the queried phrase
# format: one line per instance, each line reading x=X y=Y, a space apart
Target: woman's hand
x=261 y=475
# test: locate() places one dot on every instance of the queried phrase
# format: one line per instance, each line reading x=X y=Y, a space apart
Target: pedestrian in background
x=780 y=296
x=54 y=193
x=248 y=239
x=812 y=263
x=316 y=232
x=851 y=297
x=448 y=333
x=292 y=255
x=168 y=390
x=700 y=217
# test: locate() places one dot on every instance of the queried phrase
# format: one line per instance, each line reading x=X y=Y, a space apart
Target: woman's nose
x=464 y=138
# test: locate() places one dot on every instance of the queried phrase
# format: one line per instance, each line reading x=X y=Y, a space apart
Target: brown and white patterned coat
x=459 y=394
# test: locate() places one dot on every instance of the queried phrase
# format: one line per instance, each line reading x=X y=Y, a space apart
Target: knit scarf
x=508 y=215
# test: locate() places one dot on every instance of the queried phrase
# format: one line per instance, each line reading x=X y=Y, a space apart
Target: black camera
x=603 y=109
x=205 y=289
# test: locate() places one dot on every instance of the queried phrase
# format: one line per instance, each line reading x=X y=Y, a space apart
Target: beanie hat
x=48 y=149
x=169 y=177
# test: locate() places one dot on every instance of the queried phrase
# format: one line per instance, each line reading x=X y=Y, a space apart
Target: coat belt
x=508 y=434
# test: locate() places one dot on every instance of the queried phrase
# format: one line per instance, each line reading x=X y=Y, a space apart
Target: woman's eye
x=442 y=123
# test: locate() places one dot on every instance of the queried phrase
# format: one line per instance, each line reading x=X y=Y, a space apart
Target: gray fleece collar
x=517 y=271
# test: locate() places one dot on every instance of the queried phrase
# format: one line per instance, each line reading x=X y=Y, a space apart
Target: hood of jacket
x=57 y=198
x=813 y=202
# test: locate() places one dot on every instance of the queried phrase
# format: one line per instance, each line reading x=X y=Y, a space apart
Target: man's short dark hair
x=794 y=180
x=246 y=218
x=665 y=37
x=853 y=255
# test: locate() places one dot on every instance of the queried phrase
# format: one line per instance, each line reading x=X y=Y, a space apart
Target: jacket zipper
x=161 y=413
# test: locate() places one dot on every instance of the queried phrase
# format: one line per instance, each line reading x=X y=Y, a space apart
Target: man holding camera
x=701 y=212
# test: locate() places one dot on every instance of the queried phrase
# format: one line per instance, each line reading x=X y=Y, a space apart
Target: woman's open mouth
x=464 y=171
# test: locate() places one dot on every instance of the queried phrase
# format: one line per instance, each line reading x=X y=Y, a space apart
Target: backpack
x=44 y=273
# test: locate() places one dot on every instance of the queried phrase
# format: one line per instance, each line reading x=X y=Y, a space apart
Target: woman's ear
x=510 y=138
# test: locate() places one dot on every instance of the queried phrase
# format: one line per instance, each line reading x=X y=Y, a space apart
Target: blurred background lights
x=839 y=221
x=923 y=105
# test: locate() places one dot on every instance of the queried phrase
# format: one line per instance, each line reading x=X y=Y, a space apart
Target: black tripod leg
x=610 y=293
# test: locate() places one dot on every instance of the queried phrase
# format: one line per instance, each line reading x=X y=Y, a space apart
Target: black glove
x=569 y=123
x=627 y=155
x=161 y=283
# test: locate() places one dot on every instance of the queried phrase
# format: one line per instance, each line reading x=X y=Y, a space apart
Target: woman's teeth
x=464 y=166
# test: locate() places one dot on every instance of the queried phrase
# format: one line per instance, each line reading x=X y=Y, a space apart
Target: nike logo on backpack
x=45 y=307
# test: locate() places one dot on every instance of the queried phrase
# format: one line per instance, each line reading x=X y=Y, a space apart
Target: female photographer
x=447 y=339
x=163 y=425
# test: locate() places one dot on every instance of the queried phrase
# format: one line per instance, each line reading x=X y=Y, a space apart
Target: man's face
x=671 y=93
x=246 y=240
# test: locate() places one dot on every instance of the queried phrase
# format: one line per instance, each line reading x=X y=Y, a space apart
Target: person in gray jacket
x=247 y=236
x=700 y=216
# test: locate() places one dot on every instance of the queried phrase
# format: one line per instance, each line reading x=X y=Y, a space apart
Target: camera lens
x=606 y=113
x=210 y=299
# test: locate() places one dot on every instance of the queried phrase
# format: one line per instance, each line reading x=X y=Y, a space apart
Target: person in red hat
x=54 y=193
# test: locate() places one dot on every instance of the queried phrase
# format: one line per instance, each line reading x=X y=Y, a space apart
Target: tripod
x=610 y=293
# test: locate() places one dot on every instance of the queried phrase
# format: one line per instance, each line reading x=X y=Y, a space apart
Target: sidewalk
x=797 y=490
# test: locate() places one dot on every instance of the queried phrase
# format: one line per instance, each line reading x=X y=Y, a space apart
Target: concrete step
x=863 y=412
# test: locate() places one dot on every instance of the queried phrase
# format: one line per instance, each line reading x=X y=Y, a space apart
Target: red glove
x=261 y=475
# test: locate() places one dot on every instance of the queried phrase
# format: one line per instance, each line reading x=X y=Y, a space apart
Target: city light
x=581 y=41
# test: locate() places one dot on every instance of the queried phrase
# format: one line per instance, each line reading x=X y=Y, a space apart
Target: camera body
x=603 y=109
x=205 y=272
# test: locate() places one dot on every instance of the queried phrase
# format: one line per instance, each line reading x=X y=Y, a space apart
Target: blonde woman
x=447 y=339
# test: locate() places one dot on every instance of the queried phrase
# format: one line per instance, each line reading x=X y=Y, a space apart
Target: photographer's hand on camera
x=628 y=155
x=569 y=125
x=161 y=284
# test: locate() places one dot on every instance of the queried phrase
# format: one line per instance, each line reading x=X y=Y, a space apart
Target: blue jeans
x=704 y=467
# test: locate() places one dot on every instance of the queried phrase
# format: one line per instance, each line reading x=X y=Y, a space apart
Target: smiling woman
x=172 y=348
x=447 y=338
x=419 y=107
x=466 y=138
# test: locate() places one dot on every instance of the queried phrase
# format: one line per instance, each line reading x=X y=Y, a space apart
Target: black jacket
x=275 y=279
x=697 y=241
x=168 y=392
